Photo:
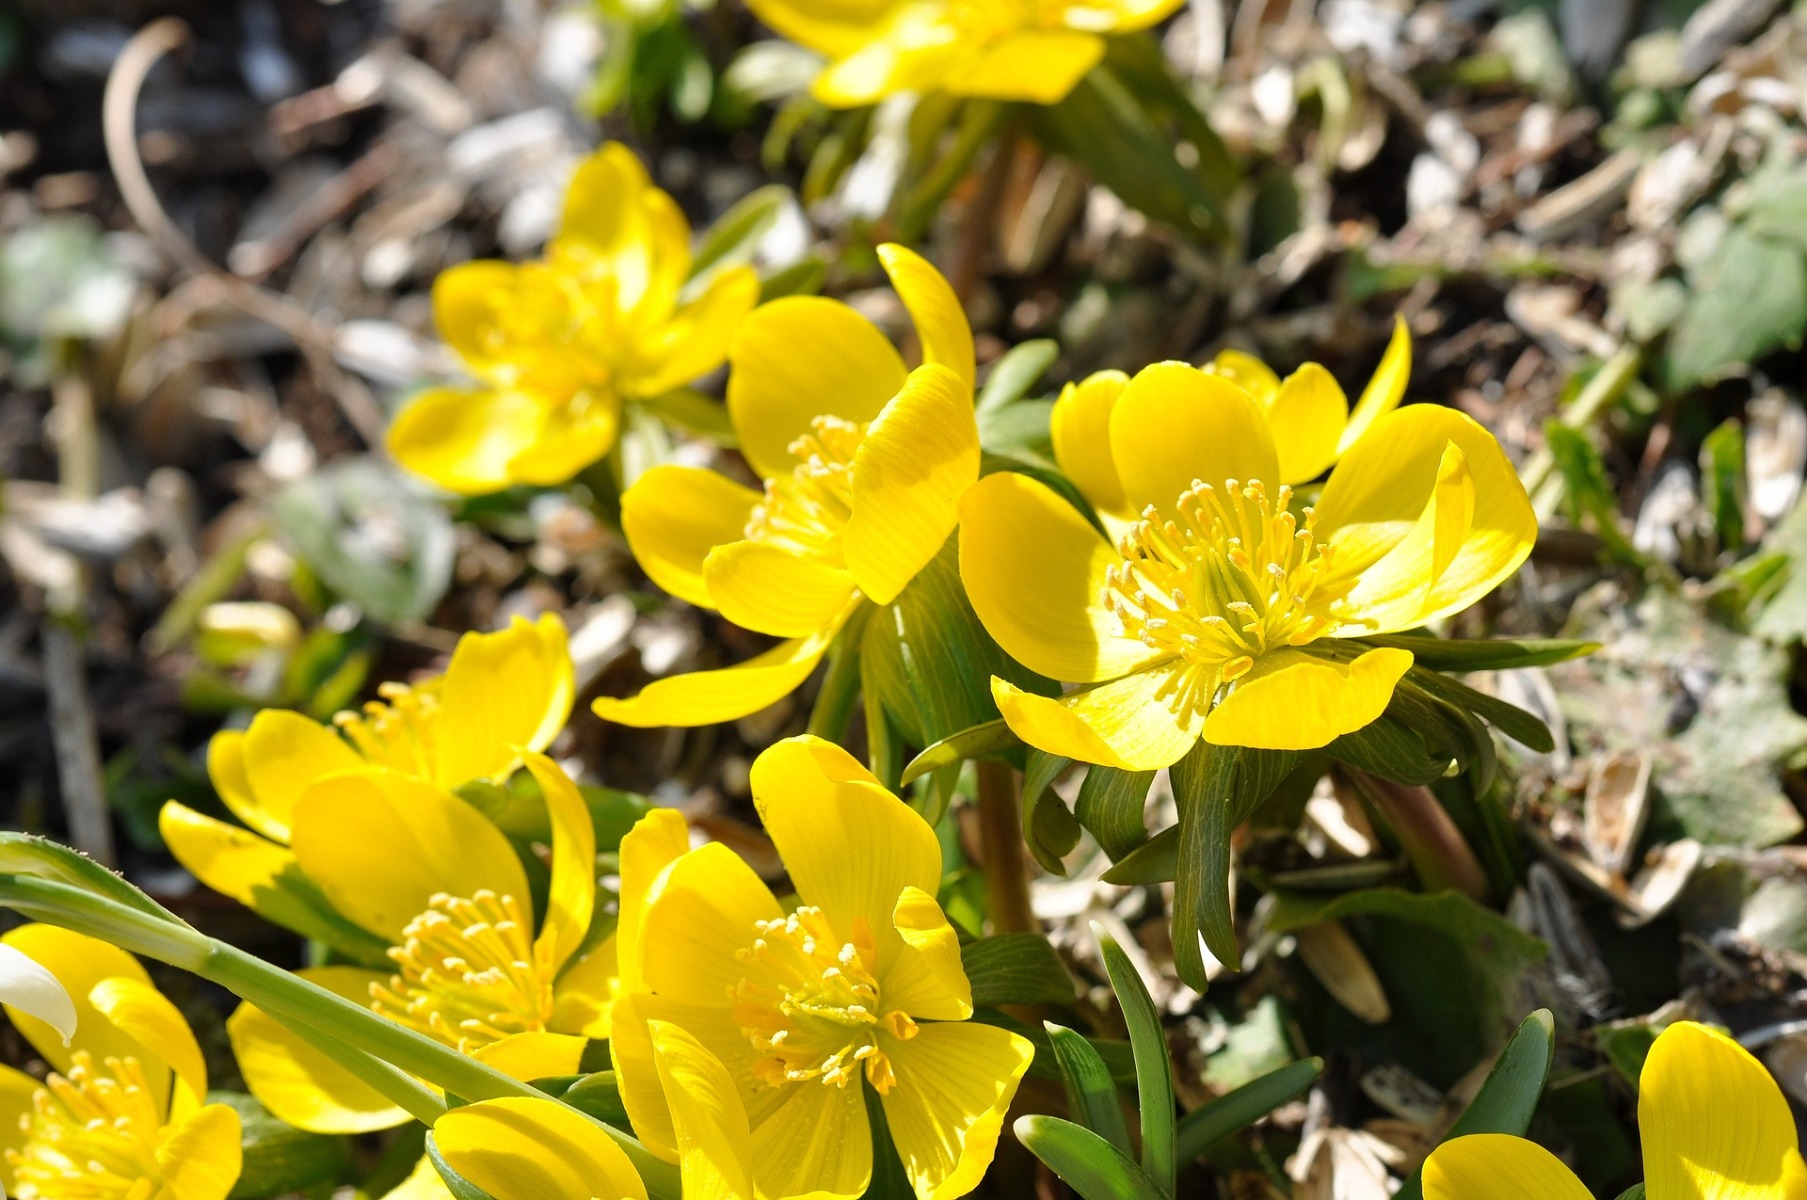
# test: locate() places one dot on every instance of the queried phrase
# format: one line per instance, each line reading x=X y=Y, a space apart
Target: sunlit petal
x=1127 y=723
x=464 y=439
x=299 y=1083
x=1307 y=415
x=78 y=962
x=200 y=1158
x=503 y=692
x=1038 y=65
x=768 y=589
x=1386 y=387
x=673 y=516
x=1080 y=427
x=521 y=1148
x=1294 y=701
x=955 y=1081
x=715 y=1152
x=1713 y=1122
x=571 y=897
x=710 y=697
x=1175 y=424
x=940 y=320
x=1496 y=1166
x=284 y=753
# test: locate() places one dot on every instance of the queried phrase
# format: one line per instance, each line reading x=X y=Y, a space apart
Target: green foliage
x=1154 y=1066
x=1209 y=1124
x=1015 y=968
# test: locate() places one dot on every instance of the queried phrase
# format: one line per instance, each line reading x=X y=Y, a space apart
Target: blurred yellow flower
x=1714 y=1126
x=426 y=872
x=123 y=1112
x=557 y=344
x=863 y=462
x=1032 y=50
x=746 y=1034
x=1216 y=612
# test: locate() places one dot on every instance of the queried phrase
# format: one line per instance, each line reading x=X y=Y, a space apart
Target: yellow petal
x=1081 y=429
x=530 y=1056
x=631 y=1052
x=674 y=516
x=1712 y=1120
x=521 y=1148
x=601 y=201
x=234 y=862
x=1392 y=593
x=571 y=898
x=955 y=1081
x=583 y=1000
x=146 y=1016
x=226 y=768
x=909 y=473
x=833 y=27
x=465 y=302
x=1118 y=16
x=1248 y=373
x=763 y=588
x=1175 y=424
x=17 y=1090
x=503 y=691
x=294 y=1080
x=1127 y=723
x=1497 y=1166
x=920 y=61
x=1040 y=66
x=1035 y=572
x=623 y=236
x=1379 y=491
x=572 y=435
x=464 y=439
x=700 y=915
x=79 y=962
x=715 y=1152
x=422 y=1183
x=935 y=310
x=200 y=1159
x=850 y=846
x=284 y=753
x=1386 y=387
x=927 y=979
x=695 y=341
x=1307 y=417
x=1293 y=701
x=656 y=841
x=710 y=697
x=810 y=1140
x=799 y=358
x=380 y=845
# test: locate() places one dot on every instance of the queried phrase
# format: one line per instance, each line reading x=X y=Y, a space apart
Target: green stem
x=978 y=121
x=1001 y=848
x=841 y=682
x=396 y=1086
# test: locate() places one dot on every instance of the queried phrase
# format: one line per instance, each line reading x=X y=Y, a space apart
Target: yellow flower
x=1215 y=614
x=527 y=1149
x=559 y=343
x=427 y=873
x=501 y=691
x=1714 y=1127
x=1032 y=50
x=863 y=462
x=123 y=1113
x=746 y=1034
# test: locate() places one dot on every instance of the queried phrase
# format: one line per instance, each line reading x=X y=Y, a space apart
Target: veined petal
x=571 y=436
x=79 y=962
x=1035 y=571
x=1379 y=491
x=709 y=1021
x=1294 y=701
x=27 y=986
x=1713 y=1122
x=1497 y=1166
x=226 y=769
x=463 y=439
x=833 y=27
x=295 y=1080
x=1392 y=592
x=522 y=1148
x=656 y=841
x=1248 y=373
x=955 y=1080
x=851 y=847
x=200 y=1158
x=1386 y=387
x=700 y=914
x=810 y=1140
x=710 y=697
x=422 y=1183
x=1128 y=723
x=761 y=587
x=927 y=979
x=799 y=358
x=571 y=899
x=1037 y=65
x=284 y=753
x=1081 y=429
x=1175 y=424
x=161 y=1032
x=503 y=692
x=381 y=844
x=1307 y=416
x=1118 y=16
x=674 y=516
x=583 y=1000
x=935 y=310
x=911 y=468
x=695 y=341
x=533 y=1055
x=715 y=1150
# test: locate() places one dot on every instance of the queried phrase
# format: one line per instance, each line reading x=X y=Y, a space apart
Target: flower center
x=1230 y=576
x=91 y=1135
x=806 y=511
x=809 y=1004
x=397 y=731
x=469 y=974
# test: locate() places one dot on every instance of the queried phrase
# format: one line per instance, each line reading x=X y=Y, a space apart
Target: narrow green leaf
x=1015 y=968
x=975 y=741
x=29 y=854
x=1634 y=1192
x=1390 y=749
x=1016 y=372
x=1049 y=829
x=597 y=1094
x=1483 y=654
x=690 y=409
x=1154 y=861
x=1110 y=806
x=1204 y=1127
x=736 y=233
x=1154 y=1066
x=1509 y=719
x=1090 y=1165
x=1091 y=1092
x=1722 y=482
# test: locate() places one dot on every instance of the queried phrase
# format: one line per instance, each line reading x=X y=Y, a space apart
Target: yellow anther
x=806 y=512
x=91 y=1135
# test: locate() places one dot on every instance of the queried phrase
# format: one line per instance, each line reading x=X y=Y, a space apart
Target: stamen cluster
x=91 y=1135
x=398 y=730
x=469 y=974
x=806 y=512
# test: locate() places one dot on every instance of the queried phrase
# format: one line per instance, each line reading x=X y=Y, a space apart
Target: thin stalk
x=1439 y=853
x=399 y=1088
x=1607 y=385
x=1001 y=848
x=978 y=121
x=841 y=682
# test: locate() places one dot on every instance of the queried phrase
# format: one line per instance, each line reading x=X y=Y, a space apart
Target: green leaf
x=1509 y=719
x=1634 y=1192
x=29 y=854
x=1019 y=431
x=1049 y=829
x=804 y=277
x=1016 y=372
x=278 y=1157
x=1483 y=654
x=1091 y=1092
x=1204 y=1127
x=460 y=1187
x=690 y=409
x=1110 y=806
x=985 y=740
x=1154 y=1066
x=1089 y=1164
x=1390 y=749
x=1154 y=861
x=1015 y=968
x=1722 y=482
x=597 y=1094
x=735 y=235
x=1509 y=1097
x=1750 y=298
x=1588 y=490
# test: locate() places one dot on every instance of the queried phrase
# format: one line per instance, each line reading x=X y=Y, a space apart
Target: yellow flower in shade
x=559 y=343
x=1218 y=610
x=746 y=1033
x=863 y=462
x=1714 y=1126
x=1032 y=50
x=123 y=1114
x=427 y=873
x=501 y=691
